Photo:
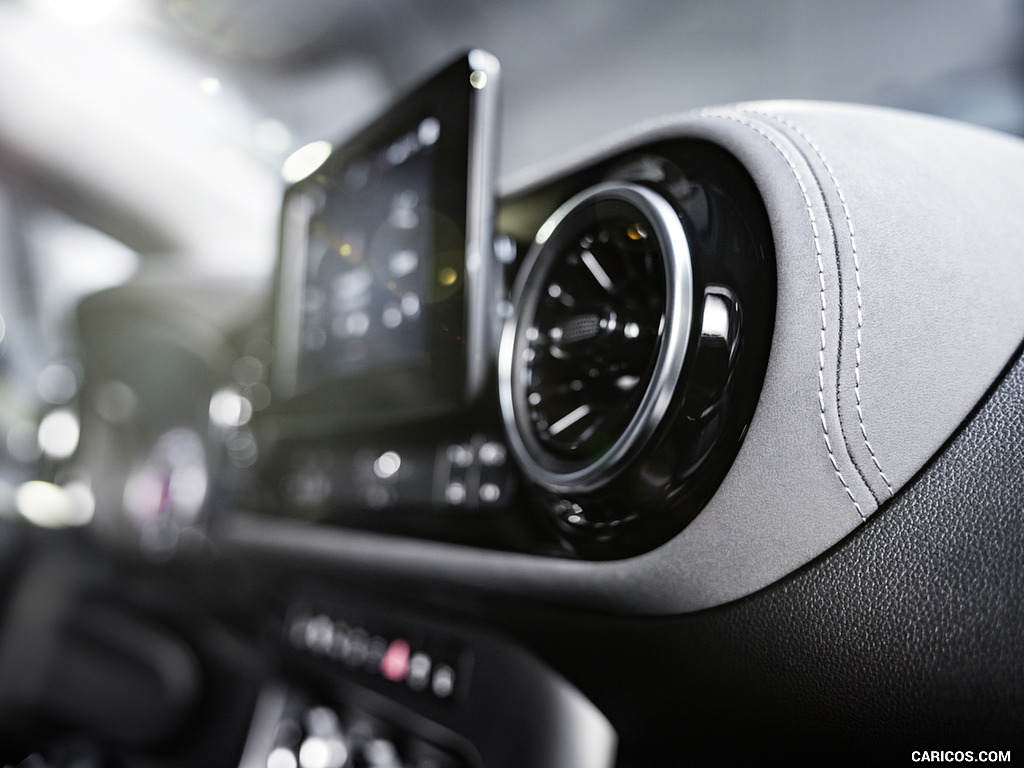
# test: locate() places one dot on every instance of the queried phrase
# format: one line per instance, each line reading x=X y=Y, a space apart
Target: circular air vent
x=590 y=361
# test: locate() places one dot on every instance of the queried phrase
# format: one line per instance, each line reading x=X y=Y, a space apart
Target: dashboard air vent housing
x=604 y=318
x=632 y=364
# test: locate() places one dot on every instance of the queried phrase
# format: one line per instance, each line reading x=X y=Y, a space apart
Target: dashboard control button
x=323 y=752
x=443 y=682
x=359 y=648
x=395 y=664
x=420 y=666
x=319 y=634
x=490 y=493
x=387 y=465
x=321 y=721
x=455 y=494
x=461 y=456
x=282 y=757
x=493 y=454
x=375 y=652
x=341 y=647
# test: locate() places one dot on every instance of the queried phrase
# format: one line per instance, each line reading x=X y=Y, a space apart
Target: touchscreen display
x=384 y=282
x=370 y=264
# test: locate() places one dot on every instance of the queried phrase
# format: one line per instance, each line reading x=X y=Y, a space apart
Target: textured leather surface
x=912 y=632
x=909 y=635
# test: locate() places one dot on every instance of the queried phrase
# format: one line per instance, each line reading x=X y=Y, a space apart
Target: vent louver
x=603 y=320
x=634 y=360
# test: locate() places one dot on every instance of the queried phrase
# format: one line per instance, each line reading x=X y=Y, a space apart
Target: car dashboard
x=712 y=450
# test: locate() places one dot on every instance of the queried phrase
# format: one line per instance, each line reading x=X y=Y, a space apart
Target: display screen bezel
x=449 y=369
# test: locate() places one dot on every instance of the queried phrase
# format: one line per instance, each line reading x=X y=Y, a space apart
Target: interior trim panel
x=869 y=233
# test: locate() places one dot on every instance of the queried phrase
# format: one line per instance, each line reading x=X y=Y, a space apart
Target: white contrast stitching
x=856 y=272
x=821 y=281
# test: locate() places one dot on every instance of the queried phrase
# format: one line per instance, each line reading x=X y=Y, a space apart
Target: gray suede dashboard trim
x=900 y=249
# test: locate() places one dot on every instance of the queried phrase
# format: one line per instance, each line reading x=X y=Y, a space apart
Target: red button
x=395 y=664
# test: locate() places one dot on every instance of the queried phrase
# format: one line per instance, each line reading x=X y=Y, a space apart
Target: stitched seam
x=859 y=296
x=841 y=342
x=841 y=332
x=821 y=282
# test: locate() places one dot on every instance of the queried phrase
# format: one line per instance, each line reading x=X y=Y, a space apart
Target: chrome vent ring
x=590 y=360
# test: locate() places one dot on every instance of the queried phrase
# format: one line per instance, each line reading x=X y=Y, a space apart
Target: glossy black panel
x=648 y=495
